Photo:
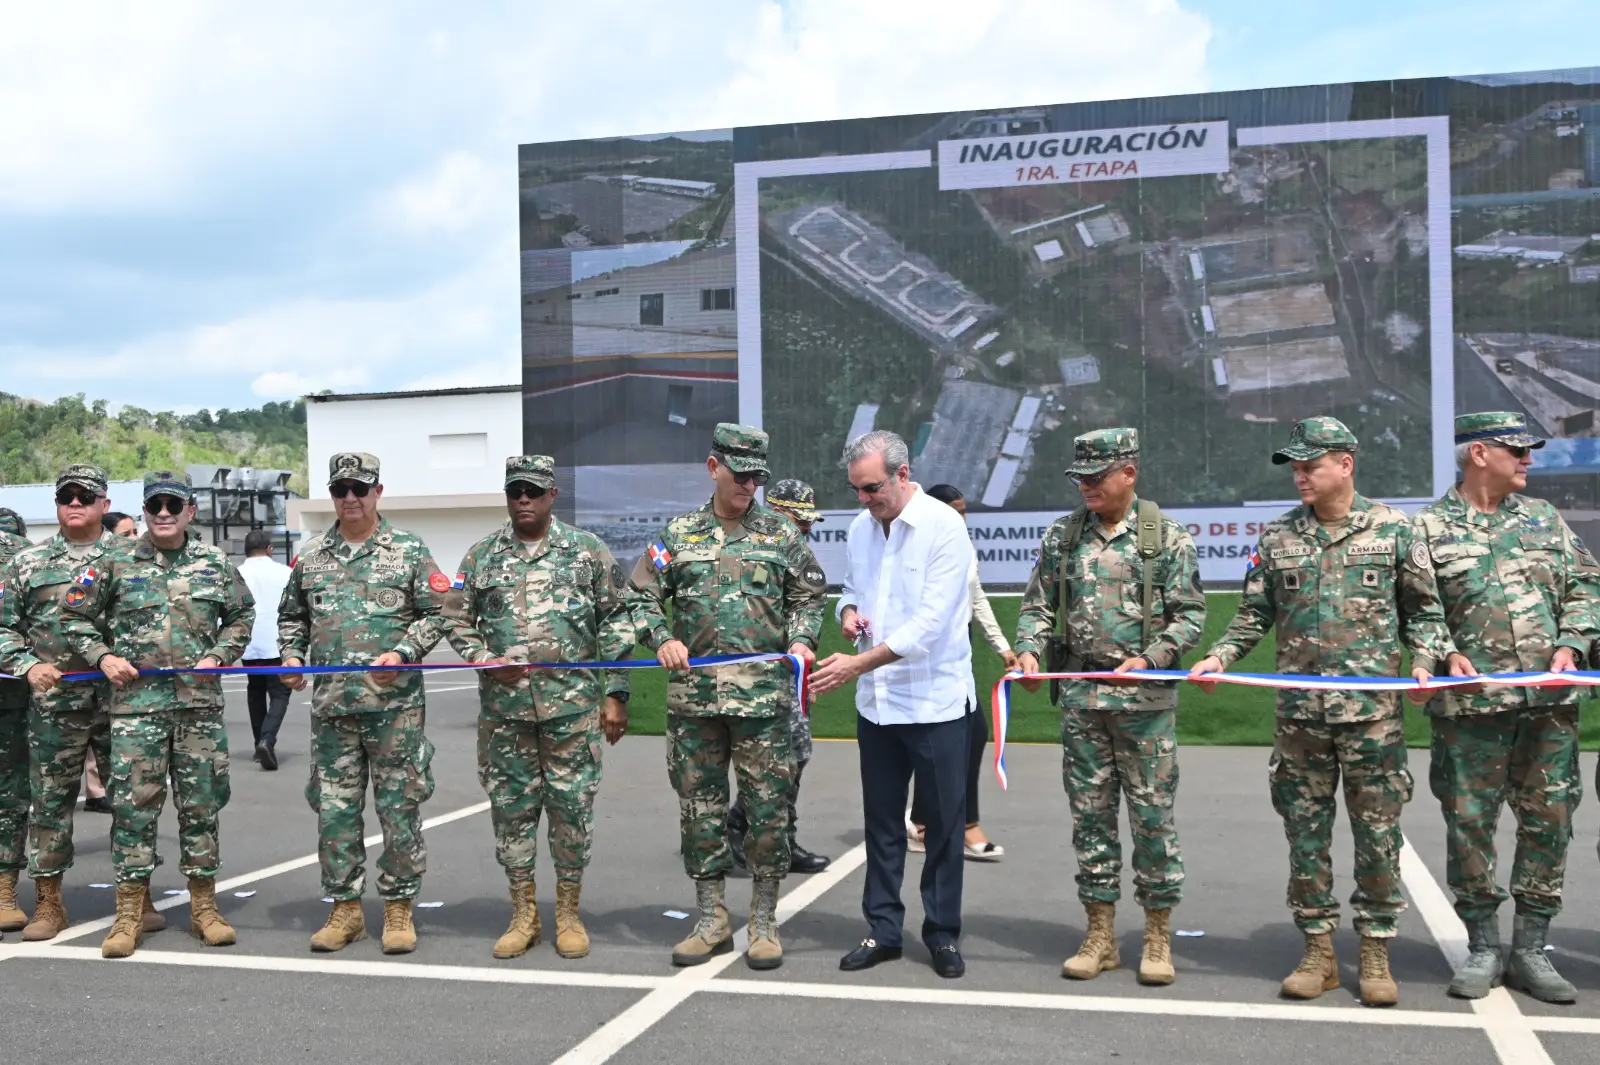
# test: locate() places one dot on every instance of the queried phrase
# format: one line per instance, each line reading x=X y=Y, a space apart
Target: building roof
x=421 y=393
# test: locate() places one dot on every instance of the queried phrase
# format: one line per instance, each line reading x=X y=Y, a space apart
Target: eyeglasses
x=756 y=477
x=869 y=489
x=1092 y=480
x=1517 y=452
x=523 y=490
x=171 y=504
x=349 y=488
x=82 y=496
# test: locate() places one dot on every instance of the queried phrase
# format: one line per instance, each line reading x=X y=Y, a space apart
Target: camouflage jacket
x=13 y=693
x=1342 y=603
x=1105 y=608
x=564 y=604
x=346 y=604
x=1516 y=585
x=760 y=590
x=32 y=595
x=162 y=615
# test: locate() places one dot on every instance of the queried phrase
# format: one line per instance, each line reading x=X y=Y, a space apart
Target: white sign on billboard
x=1089 y=155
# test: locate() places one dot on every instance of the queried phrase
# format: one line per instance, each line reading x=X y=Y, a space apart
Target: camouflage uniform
x=65 y=723
x=350 y=603
x=165 y=610
x=1343 y=601
x=755 y=590
x=13 y=748
x=1118 y=738
x=539 y=739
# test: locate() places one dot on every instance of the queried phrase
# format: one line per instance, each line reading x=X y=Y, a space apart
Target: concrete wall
x=428 y=444
x=448 y=525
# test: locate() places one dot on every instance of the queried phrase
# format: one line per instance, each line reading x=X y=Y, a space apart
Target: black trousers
x=890 y=754
x=268 y=699
x=977 y=738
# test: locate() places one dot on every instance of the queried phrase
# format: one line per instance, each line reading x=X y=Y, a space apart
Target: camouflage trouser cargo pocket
x=418 y=787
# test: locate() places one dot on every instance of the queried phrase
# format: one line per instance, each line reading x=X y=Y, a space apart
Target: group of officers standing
x=1483 y=580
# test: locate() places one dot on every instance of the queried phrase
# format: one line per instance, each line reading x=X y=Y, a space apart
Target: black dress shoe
x=267 y=756
x=100 y=805
x=867 y=955
x=803 y=861
x=736 y=847
x=947 y=961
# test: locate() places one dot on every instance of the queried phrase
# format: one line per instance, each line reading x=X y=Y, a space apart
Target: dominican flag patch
x=1253 y=559
x=659 y=555
x=459 y=582
x=86 y=578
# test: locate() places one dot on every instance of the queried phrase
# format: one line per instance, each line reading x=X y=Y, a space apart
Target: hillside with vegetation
x=37 y=438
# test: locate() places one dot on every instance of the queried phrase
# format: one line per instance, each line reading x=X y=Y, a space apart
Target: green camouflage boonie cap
x=1495 y=427
x=537 y=470
x=742 y=447
x=85 y=476
x=11 y=522
x=795 y=497
x=1314 y=438
x=353 y=466
x=1095 y=452
x=168 y=483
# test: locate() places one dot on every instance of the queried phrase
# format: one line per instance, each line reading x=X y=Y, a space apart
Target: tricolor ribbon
x=1001 y=699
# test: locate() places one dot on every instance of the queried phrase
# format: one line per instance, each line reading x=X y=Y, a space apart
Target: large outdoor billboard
x=1206 y=268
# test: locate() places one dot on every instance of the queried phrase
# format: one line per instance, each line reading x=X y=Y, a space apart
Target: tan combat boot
x=1318 y=970
x=125 y=934
x=711 y=933
x=572 y=939
x=12 y=919
x=49 y=912
x=205 y=920
x=524 y=931
x=1377 y=986
x=1155 y=964
x=151 y=920
x=399 y=934
x=1099 y=951
x=345 y=925
x=765 y=952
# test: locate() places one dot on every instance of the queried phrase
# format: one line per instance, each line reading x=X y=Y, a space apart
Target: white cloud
x=457 y=193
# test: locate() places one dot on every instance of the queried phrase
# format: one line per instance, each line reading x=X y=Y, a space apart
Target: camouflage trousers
x=800 y=739
x=699 y=750
x=1108 y=754
x=1529 y=758
x=528 y=767
x=63 y=725
x=1308 y=758
x=13 y=789
x=187 y=747
x=389 y=748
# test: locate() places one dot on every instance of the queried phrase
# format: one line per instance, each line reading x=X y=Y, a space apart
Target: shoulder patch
x=439 y=582
x=1419 y=556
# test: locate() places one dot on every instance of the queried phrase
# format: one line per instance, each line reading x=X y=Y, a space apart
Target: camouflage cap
x=1313 y=438
x=1495 y=427
x=742 y=447
x=168 y=483
x=81 y=473
x=533 y=469
x=353 y=466
x=1095 y=452
x=795 y=497
x=11 y=522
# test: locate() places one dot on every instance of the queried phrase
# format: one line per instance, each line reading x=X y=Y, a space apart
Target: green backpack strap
x=1075 y=526
x=1149 y=546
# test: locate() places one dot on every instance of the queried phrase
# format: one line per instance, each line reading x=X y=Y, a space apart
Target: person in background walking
x=266 y=694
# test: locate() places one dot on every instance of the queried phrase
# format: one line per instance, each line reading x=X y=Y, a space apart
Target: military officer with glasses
x=540 y=590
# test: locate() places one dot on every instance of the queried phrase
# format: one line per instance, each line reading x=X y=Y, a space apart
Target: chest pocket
x=387 y=599
x=1368 y=572
x=1543 y=552
x=1453 y=561
x=693 y=570
x=1133 y=586
x=209 y=600
x=761 y=575
x=139 y=593
x=1295 y=575
x=494 y=594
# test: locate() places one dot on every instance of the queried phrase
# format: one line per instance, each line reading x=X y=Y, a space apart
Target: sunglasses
x=869 y=489
x=755 y=477
x=171 y=504
x=1516 y=451
x=1092 y=480
x=347 y=488
x=522 y=490
x=82 y=496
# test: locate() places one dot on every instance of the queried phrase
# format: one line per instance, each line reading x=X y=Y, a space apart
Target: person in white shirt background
x=906 y=603
x=266 y=694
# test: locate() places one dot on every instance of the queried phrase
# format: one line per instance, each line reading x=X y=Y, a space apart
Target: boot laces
x=1156 y=947
x=1374 y=964
x=1536 y=963
x=1311 y=962
x=394 y=918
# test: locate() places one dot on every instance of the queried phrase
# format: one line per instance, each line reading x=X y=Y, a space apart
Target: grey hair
x=1464 y=454
x=878 y=442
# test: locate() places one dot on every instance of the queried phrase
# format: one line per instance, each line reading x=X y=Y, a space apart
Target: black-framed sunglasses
x=758 y=478
x=1517 y=450
x=523 y=490
x=869 y=489
x=349 y=488
x=171 y=504
x=1092 y=480
x=82 y=496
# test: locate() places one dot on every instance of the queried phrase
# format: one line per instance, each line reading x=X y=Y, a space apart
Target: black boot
x=267 y=755
x=803 y=861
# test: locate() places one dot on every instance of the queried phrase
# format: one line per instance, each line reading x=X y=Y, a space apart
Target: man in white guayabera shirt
x=906 y=605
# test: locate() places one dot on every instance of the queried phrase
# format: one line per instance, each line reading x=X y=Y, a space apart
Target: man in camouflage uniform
x=13 y=758
x=64 y=720
x=796 y=501
x=171 y=601
x=1346 y=581
x=365 y=592
x=1519 y=592
x=1118 y=737
x=740 y=580
x=539 y=590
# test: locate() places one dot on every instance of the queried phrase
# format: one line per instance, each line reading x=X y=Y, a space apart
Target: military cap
x=353 y=466
x=1313 y=438
x=742 y=447
x=11 y=522
x=168 y=483
x=1495 y=427
x=796 y=497
x=1095 y=452
x=537 y=470
x=85 y=476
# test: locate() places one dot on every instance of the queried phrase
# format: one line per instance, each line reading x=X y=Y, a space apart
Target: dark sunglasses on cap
x=65 y=497
x=524 y=490
x=349 y=488
x=171 y=504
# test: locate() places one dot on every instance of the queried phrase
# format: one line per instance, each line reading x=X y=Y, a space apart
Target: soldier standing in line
x=539 y=590
x=796 y=501
x=13 y=758
x=171 y=601
x=740 y=580
x=1346 y=581
x=1520 y=595
x=1117 y=737
x=365 y=592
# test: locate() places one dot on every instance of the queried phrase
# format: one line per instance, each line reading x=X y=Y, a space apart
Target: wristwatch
x=621 y=697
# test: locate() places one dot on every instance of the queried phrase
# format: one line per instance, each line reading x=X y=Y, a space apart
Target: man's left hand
x=835 y=671
x=614 y=719
x=388 y=658
x=1136 y=662
x=208 y=662
x=1563 y=660
x=1420 y=696
x=805 y=654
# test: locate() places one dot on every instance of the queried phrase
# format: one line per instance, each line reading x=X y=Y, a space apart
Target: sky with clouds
x=207 y=205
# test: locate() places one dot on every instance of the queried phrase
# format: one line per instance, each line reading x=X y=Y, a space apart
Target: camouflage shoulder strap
x=1149 y=547
x=1075 y=526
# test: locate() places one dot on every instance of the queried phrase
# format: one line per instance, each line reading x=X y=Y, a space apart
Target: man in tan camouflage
x=1345 y=581
x=539 y=590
